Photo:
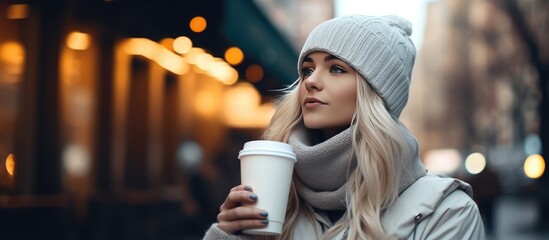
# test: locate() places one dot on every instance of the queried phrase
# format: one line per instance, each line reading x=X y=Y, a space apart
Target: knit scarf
x=322 y=168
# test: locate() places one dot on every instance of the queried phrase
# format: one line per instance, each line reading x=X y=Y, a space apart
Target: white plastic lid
x=265 y=147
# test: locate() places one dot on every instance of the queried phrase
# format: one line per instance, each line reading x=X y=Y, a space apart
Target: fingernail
x=265 y=221
x=264 y=213
x=247 y=188
x=253 y=196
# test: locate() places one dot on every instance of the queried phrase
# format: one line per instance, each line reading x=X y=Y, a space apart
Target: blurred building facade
x=479 y=96
x=123 y=119
x=475 y=88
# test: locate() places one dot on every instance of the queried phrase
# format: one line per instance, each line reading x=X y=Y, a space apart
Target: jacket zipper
x=345 y=234
x=417 y=218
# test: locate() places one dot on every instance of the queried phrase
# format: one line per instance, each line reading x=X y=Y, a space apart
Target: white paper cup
x=267 y=167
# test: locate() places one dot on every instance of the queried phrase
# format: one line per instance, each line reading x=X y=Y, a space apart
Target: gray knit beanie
x=377 y=47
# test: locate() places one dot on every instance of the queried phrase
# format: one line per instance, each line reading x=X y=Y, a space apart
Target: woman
x=358 y=174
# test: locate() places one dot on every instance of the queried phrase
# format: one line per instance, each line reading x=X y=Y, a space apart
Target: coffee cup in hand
x=267 y=167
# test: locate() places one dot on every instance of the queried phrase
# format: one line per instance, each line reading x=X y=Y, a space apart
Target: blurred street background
x=123 y=119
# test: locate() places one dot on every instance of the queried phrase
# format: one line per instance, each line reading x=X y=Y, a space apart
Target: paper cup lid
x=264 y=147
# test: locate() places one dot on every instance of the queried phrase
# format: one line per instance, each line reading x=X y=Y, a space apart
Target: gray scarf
x=322 y=168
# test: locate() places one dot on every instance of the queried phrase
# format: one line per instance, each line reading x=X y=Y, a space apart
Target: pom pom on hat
x=378 y=48
x=400 y=22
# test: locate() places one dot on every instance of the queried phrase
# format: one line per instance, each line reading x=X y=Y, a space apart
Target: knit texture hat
x=377 y=47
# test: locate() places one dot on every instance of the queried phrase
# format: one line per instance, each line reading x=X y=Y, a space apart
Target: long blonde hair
x=373 y=185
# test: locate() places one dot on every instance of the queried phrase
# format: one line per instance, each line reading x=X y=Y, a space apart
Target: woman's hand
x=237 y=214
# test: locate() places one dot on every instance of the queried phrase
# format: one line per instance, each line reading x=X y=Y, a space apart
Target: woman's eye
x=305 y=72
x=337 y=69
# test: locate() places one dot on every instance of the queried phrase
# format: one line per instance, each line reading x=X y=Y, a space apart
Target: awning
x=246 y=26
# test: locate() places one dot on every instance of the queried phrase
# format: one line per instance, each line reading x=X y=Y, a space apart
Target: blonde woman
x=358 y=174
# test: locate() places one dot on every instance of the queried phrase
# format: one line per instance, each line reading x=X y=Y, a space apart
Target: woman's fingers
x=236 y=213
x=236 y=226
x=244 y=212
x=237 y=196
x=241 y=218
x=241 y=187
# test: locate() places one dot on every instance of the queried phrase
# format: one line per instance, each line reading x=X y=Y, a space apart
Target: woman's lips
x=311 y=102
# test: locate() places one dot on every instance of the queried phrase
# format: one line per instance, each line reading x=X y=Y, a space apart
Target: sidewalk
x=516 y=219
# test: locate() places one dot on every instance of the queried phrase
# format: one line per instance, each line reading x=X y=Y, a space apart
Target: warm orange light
x=242 y=96
x=167 y=43
x=224 y=73
x=193 y=53
x=198 y=24
x=78 y=41
x=207 y=100
x=158 y=53
x=242 y=107
x=171 y=61
x=204 y=61
x=10 y=164
x=182 y=45
x=234 y=56
x=18 y=11
x=141 y=46
x=534 y=166
x=12 y=54
x=254 y=73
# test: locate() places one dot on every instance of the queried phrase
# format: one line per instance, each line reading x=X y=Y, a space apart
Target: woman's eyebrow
x=330 y=58
x=326 y=59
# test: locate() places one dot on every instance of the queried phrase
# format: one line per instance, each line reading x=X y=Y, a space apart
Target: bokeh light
x=17 y=11
x=12 y=56
x=225 y=74
x=234 y=56
x=198 y=24
x=254 y=73
x=475 y=163
x=12 y=52
x=10 y=164
x=167 y=43
x=78 y=41
x=243 y=108
x=189 y=155
x=192 y=54
x=158 y=53
x=204 y=61
x=76 y=160
x=442 y=161
x=242 y=96
x=182 y=45
x=534 y=166
x=207 y=101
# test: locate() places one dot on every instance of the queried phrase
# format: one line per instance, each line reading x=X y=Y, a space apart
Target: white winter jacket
x=433 y=207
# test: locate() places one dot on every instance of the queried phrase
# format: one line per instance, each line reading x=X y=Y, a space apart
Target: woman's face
x=327 y=93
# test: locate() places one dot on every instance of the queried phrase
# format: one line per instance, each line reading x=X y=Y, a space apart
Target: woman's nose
x=313 y=82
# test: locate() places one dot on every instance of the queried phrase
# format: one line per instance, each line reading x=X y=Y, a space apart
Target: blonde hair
x=373 y=185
